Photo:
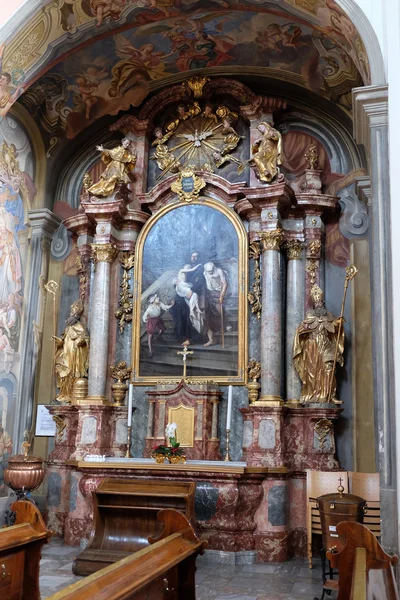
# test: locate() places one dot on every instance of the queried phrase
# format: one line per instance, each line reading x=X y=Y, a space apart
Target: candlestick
x=229 y=410
x=128 y=446
x=130 y=402
x=228 y=436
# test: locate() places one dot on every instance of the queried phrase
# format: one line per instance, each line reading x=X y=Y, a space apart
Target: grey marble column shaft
x=371 y=130
x=294 y=313
x=43 y=224
x=100 y=319
x=271 y=317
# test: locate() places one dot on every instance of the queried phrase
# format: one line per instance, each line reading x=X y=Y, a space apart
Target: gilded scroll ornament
x=314 y=248
x=314 y=352
x=188 y=186
x=120 y=162
x=312 y=269
x=196 y=84
x=254 y=297
x=72 y=354
x=312 y=157
x=87 y=182
x=61 y=424
x=322 y=428
x=103 y=252
x=267 y=153
x=124 y=311
x=293 y=249
x=271 y=240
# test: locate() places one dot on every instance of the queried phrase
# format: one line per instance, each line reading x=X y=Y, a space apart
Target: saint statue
x=72 y=354
x=267 y=152
x=120 y=161
x=314 y=352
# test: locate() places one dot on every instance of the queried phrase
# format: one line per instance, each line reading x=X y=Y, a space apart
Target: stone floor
x=273 y=581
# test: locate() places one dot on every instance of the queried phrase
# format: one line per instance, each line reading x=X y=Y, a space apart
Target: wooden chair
x=20 y=553
x=365 y=570
x=125 y=518
x=319 y=483
x=164 y=570
x=366 y=485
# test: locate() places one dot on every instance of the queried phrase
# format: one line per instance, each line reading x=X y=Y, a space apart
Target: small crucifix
x=184 y=353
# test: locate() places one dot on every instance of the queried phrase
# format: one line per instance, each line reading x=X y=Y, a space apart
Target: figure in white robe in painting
x=10 y=257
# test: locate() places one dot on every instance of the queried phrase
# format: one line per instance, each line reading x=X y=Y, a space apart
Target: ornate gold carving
x=121 y=372
x=103 y=252
x=124 y=312
x=254 y=297
x=314 y=248
x=312 y=269
x=312 y=157
x=61 y=424
x=322 y=428
x=87 y=182
x=196 y=85
x=203 y=138
x=188 y=185
x=253 y=386
x=293 y=249
x=271 y=240
x=183 y=416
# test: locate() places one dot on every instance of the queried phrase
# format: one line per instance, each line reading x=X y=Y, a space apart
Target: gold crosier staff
x=52 y=287
x=351 y=272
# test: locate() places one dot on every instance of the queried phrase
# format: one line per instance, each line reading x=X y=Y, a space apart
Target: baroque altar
x=198 y=241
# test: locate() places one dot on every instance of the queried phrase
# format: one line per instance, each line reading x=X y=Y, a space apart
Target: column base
x=268 y=401
x=94 y=401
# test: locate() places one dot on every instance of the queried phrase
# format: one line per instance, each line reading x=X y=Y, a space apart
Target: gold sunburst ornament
x=197 y=135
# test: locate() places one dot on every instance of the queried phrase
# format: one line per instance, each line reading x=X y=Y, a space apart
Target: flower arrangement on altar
x=174 y=453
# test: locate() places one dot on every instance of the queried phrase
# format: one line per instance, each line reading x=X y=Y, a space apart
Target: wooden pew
x=20 y=553
x=365 y=570
x=164 y=570
x=125 y=518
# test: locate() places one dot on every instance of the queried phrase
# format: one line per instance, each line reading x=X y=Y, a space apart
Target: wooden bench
x=20 y=553
x=125 y=518
x=365 y=570
x=164 y=570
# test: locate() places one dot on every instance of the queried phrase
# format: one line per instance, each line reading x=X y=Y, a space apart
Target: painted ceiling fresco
x=185 y=34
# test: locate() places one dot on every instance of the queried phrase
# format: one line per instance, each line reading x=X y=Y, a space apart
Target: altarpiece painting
x=190 y=278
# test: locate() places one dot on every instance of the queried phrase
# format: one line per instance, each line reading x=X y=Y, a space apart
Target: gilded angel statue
x=267 y=153
x=120 y=161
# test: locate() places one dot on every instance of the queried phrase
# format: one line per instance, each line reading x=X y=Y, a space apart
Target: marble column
x=294 y=314
x=271 y=318
x=103 y=255
x=43 y=224
x=370 y=106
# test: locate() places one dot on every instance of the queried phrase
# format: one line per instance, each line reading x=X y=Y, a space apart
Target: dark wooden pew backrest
x=20 y=553
x=163 y=570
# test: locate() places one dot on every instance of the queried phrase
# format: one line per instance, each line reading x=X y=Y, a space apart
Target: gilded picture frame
x=189 y=257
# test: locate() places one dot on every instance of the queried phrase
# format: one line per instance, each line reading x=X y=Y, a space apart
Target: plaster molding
x=370 y=108
x=43 y=222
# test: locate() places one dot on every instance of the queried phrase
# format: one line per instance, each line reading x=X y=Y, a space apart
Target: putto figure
x=120 y=162
x=267 y=153
x=72 y=354
x=314 y=352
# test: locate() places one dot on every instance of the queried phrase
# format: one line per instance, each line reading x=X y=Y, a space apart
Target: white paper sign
x=45 y=425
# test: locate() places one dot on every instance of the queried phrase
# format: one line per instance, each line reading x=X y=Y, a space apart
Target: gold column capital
x=103 y=252
x=271 y=240
x=293 y=249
